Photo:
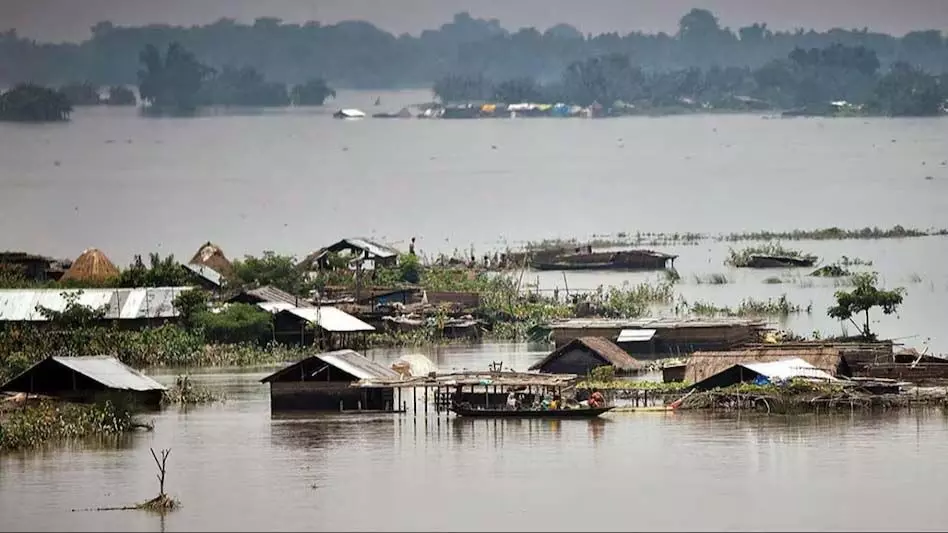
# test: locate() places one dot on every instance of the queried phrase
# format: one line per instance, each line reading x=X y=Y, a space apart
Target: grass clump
x=186 y=392
x=34 y=425
x=750 y=307
x=743 y=257
x=712 y=279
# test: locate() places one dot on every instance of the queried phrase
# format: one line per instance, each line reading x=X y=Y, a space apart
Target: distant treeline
x=357 y=54
x=810 y=80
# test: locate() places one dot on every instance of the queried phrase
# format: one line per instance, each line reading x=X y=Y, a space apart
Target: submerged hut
x=324 y=382
x=369 y=253
x=702 y=365
x=87 y=379
x=331 y=326
x=91 y=266
x=211 y=256
x=583 y=354
x=662 y=337
x=764 y=373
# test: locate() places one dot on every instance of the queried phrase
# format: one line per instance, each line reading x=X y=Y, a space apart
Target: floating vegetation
x=773 y=280
x=853 y=261
x=712 y=279
x=186 y=392
x=831 y=271
x=745 y=257
x=834 y=233
x=33 y=425
x=751 y=307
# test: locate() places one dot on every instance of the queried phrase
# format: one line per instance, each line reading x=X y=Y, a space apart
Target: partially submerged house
x=34 y=267
x=87 y=379
x=583 y=354
x=702 y=365
x=611 y=260
x=763 y=373
x=663 y=337
x=325 y=382
x=127 y=308
x=324 y=325
x=366 y=253
x=92 y=266
x=780 y=261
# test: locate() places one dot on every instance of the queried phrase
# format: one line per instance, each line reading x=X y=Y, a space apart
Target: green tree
x=74 y=315
x=235 y=323
x=908 y=91
x=172 y=82
x=280 y=271
x=189 y=304
x=160 y=272
x=314 y=92
x=32 y=103
x=81 y=94
x=121 y=95
x=242 y=87
x=518 y=90
x=864 y=297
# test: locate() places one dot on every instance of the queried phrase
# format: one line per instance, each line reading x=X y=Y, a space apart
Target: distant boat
x=348 y=114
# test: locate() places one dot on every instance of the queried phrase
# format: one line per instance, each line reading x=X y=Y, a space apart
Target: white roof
x=275 y=307
x=110 y=372
x=330 y=318
x=357 y=365
x=352 y=113
x=19 y=305
x=787 y=369
x=635 y=335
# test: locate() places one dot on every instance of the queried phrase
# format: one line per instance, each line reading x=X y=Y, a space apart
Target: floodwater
x=235 y=467
x=293 y=180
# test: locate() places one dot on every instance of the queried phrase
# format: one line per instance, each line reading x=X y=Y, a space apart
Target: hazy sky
x=56 y=20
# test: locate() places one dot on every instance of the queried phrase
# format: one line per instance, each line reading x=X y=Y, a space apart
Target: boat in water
x=581 y=412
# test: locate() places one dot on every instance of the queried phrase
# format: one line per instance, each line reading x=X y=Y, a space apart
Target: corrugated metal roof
x=19 y=305
x=793 y=367
x=348 y=361
x=357 y=365
x=110 y=372
x=604 y=348
x=206 y=272
x=275 y=307
x=373 y=248
x=330 y=319
x=268 y=293
x=636 y=335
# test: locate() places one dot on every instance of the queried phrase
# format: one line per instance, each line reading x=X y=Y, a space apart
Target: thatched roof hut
x=91 y=265
x=211 y=255
x=704 y=364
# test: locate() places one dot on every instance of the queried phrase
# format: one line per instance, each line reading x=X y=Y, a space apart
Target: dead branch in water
x=161 y=503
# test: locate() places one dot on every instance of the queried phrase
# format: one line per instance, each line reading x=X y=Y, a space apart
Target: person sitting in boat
x=596 y=400
x=512 y=402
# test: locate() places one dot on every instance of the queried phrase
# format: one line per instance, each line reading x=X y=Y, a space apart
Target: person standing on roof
x=411 y=246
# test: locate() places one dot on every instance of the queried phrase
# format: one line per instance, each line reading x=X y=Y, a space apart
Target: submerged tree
x=172 y=82
x=863 y=298
x=244 y=86
x=121 y=95
x=32 y=103
x=313 y=92
x=81 y=94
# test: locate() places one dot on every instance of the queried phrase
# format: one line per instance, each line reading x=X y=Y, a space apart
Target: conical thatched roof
x=92 y=265
x=211 y=255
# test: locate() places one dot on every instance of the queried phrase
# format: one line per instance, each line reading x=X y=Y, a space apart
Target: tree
x=81 y=94
x=242 y=87
x=235 y=323
x=189 y=304
x=160 y=272
x=864 y=297
x=172 y=82
x=121 y=95
x=279 y=271
x=457 y=88
x=313 y=92
x=908 y=91
x=518 y=90
x=74 y=315
x=32 y=103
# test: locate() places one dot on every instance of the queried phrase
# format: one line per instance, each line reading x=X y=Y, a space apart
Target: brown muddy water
x=236 y=467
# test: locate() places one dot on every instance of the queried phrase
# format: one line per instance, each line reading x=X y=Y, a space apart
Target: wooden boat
x=474 y=412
